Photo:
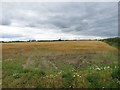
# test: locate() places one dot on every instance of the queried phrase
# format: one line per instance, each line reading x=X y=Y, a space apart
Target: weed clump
x=42 y=73
x=116 y=74
x=68 y=78
x=94 y=80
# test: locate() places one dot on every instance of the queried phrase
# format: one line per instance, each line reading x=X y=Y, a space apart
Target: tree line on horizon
x=111 y=41
x=48 y=40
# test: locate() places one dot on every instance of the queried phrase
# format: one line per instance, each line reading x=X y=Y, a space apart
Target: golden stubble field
x=63 y=46
x=60 y=64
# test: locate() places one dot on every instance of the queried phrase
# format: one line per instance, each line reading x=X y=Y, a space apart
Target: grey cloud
x=99 y=19
x=10 y=36
x=5 y=21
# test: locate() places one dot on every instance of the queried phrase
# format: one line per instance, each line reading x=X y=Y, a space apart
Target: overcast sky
x=43 y=21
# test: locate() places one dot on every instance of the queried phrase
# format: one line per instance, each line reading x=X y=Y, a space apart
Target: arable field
x=63 y=64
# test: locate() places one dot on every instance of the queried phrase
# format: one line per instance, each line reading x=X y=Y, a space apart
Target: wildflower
x=15 y=74
x=73 y=75
x=72 y=70
x=43 y=77
x=108 y=67
x=97 y=68
x=104 y=68
x=76 y=73
x=59 y=72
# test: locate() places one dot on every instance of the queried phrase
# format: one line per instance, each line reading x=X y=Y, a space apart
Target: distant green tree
x=59 y=40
